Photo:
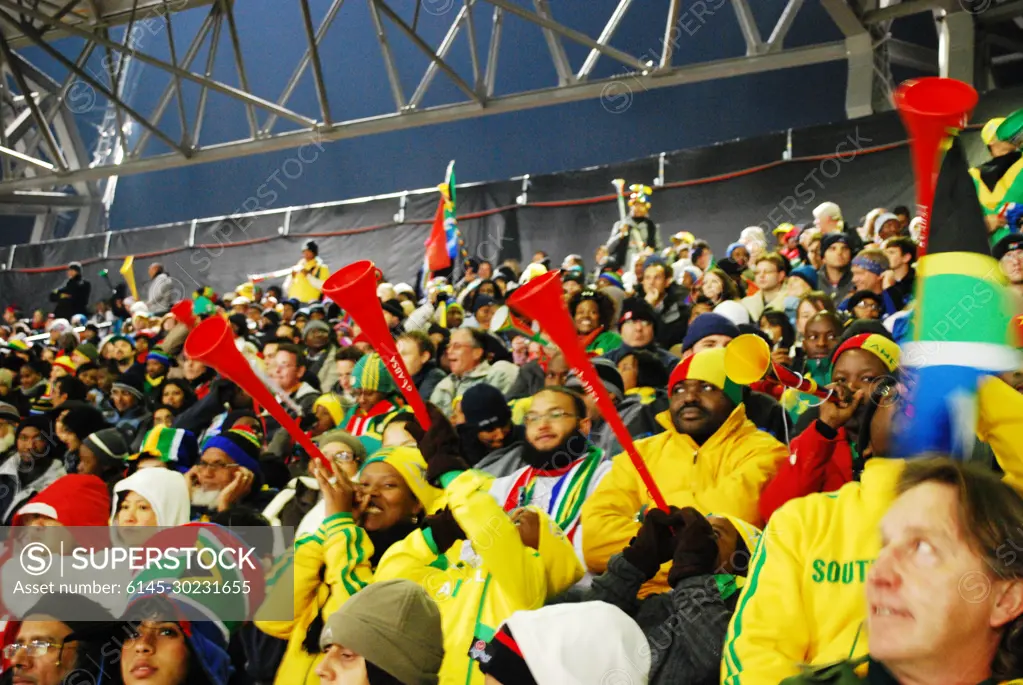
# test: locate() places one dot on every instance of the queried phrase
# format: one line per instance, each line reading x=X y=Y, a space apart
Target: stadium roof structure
x=44 y=165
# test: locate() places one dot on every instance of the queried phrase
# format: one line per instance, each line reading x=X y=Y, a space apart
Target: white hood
x=165 y=490
x=550 y=640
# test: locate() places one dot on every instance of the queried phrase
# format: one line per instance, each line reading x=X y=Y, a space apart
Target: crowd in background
x=513 y=542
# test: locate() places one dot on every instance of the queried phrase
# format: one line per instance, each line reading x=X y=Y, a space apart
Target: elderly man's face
x=49 y=668
x=931 y=598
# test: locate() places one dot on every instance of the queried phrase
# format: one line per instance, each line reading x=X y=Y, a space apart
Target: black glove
x=654 y=544
x=440 y=446
x=696 y=553
x=445 y=528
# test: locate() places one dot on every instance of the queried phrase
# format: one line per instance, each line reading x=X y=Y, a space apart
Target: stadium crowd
x=513 y=542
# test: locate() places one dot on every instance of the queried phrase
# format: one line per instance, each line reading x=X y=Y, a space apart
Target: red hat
x=73 y=500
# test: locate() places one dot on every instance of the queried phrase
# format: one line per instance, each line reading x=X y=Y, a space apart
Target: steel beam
x=668 y=48
x=9 y=152
x=211 y=58
x=44 y=126
x=997 y=13
x=490 y=77
x=781 y=28
x=683 y=75
x=956 y=47
x=557 y=50
x=860 y=54
x=748 y=26
x=47 y=200
x=573 y=35
x=477 y=83
x=314 y=52
x=185 y=135
x=914 y=56
x=289 y=88
x=605 y=37
x=428 y=51
x=442 y=52
x=170 y=68
x=239 y=61
x=165 y=98
x=393 y=77
x=905 y=9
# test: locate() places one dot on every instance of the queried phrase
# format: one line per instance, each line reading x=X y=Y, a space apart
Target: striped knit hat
x=241 y=445
x=65 y=363
x=709 y=366
x=885 y=349
x=371 y=373
x=108 y=445
x=174 y=446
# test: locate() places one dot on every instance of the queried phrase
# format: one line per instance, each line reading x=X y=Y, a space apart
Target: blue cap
x=706 y=325
x=807 y=273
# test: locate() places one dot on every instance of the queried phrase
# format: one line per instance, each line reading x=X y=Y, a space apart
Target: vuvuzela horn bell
x=748 y=359
x=541 y=300
x=929 y=108
x=212 y=343
x=183 y=311
x=354 y=289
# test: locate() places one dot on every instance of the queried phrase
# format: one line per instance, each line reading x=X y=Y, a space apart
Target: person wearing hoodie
x=158 y=647
x=389 y=633
x=809 y=572
x=35 y=464
x=74 y=424
x=710 y=457
x=830 y=452
x=419 y=354
x=488 y=427
x=103 y=454
x=339 y=544
x=477 y=562
x=151 y=497
x=130 y=402
x=542 y=647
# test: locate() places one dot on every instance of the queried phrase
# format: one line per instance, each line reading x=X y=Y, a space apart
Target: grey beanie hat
x=108 y=445
x=395 y=626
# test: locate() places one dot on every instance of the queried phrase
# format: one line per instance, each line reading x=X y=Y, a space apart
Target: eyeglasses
x=213 y=466
x=553 y=415
x=34 y=649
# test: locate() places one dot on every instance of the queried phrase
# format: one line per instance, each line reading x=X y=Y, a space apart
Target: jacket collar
x=479 y=372
x=735 y=421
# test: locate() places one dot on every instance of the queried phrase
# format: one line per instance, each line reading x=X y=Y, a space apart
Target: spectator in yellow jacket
x=710 y=457
x=804 y=600
x=332 y=564
x=477 y=562
x=305 y=283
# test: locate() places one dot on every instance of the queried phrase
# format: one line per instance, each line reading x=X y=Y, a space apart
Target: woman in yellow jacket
x=804 y=601
x=327 y=567
x=481 y=565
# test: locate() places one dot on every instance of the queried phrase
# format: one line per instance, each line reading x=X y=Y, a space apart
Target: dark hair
x=73 y=387
x=650 y=370
x=905 y=245
x=901 y=209
x=577 y=399
x=697 y=249
x=294 y=349
x=781 y=320
x=605 y=306
x=422 y=341
x=185 y=388
x=349 y=354
x=729 y=291
x=88 y=366
x=827 y=315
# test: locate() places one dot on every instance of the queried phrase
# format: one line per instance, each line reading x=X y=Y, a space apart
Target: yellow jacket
x=724 y=476
x=342 y=550
x=479 y=585
x=307 y=284
x=804 y=600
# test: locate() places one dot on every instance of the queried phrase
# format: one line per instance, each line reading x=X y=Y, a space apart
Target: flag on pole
x=444 y=244
x=961 y=327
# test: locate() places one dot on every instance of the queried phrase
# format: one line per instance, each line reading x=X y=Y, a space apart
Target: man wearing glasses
x=47 y=650
x=466 y=356
x=559 y=466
